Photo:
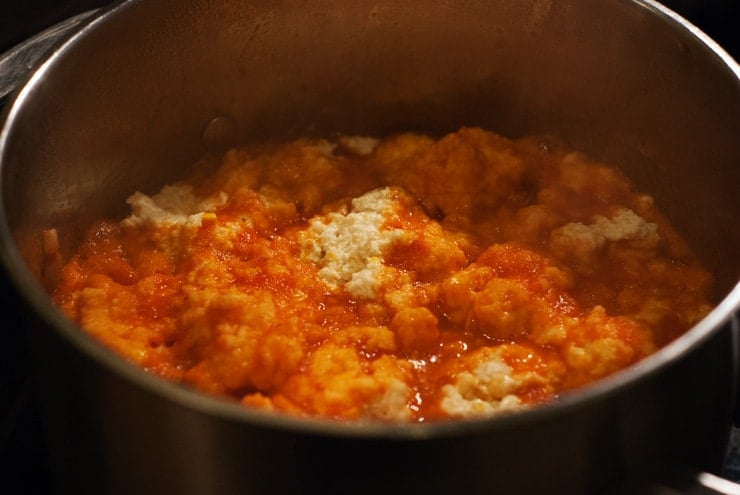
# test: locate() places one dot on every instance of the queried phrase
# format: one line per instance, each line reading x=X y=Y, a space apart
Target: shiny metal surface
x=17 y=63
x=124 y=105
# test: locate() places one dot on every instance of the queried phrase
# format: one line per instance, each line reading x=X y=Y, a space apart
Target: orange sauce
x=501 y=274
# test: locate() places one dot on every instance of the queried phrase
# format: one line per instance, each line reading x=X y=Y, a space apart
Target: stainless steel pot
x=144 y=88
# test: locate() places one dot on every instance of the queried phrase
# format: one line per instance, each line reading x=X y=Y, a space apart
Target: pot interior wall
x=126 y=106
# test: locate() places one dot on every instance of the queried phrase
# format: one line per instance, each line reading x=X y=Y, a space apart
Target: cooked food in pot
x=403 y=279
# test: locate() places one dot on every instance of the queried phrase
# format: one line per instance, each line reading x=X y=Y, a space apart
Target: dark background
x=20 y=19
x=23 y=462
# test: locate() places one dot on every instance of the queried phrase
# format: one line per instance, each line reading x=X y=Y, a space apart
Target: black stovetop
x=24 y=464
